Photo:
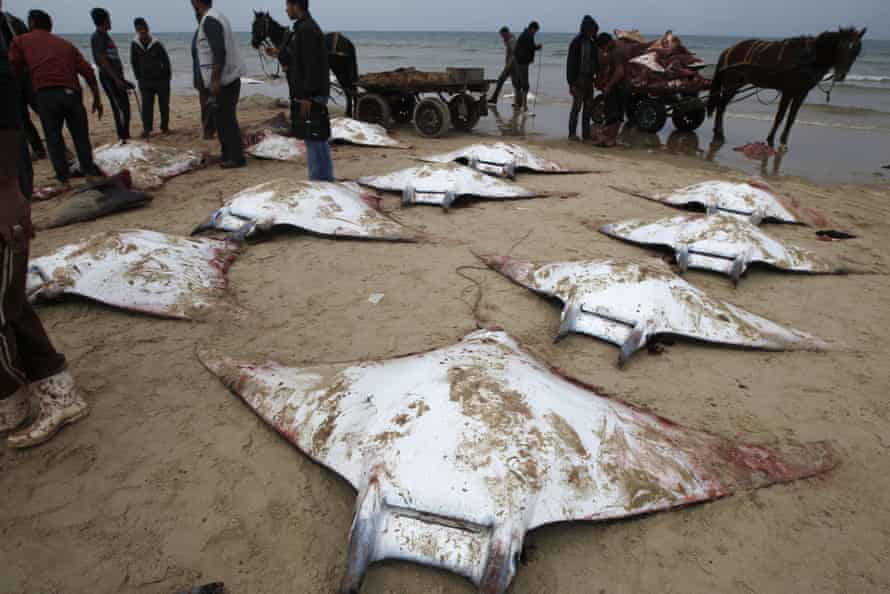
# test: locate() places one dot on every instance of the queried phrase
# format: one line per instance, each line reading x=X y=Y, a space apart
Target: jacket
x=54 y=62
x=575 y=63
x=233 y=64
x=305 y=54
x=525 y=48
x=151 y=64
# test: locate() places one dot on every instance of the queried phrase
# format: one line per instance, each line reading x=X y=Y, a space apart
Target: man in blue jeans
x=304 y=55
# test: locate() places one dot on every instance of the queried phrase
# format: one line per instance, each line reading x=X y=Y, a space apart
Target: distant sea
x=861 y=104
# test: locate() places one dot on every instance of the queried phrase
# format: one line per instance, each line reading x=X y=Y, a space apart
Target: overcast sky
x=696 y=17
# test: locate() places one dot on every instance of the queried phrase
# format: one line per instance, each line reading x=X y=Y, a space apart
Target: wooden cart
x=434 y=101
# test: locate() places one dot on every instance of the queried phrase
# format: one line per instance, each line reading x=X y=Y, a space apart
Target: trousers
x=508 y=72
x=119 y=99
x=321 y=165
x=231 y=146
x=582 y=104
x=59 y=107
x=149 y=92
x=26 y=353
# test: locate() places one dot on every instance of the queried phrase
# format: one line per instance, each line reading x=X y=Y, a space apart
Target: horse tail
x=717 y=84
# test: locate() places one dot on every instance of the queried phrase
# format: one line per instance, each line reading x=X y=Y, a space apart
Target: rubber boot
x=14 y=410
x=59 y=403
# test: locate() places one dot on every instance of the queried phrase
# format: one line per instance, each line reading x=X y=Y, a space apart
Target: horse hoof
x=783 y=148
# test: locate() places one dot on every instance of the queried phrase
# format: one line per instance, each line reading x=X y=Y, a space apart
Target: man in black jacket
x=10 y=28
x=305 y=56
x=581 y=68
x=151 y=67
x=525 y=57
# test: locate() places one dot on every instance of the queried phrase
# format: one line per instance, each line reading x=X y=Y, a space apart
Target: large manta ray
x=324 y=208
x=501 y=159
x=150 y=165
x=743 y=199
x=144 y=271
x=442 y=184
x=457 y=453
x=629 y=303
x=720 y=242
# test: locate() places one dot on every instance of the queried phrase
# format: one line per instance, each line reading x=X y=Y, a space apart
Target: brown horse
x=793 y=67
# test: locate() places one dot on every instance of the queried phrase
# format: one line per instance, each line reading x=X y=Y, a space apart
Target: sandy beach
x=173 y=482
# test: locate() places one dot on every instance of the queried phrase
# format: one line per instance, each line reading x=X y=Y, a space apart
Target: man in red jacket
x=34 y=381
x=54 y=64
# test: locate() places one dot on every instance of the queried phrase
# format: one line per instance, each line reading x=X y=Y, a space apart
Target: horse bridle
x=266 y=42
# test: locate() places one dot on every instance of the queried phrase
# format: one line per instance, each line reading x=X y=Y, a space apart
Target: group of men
x=38 y=395
x=594 y=61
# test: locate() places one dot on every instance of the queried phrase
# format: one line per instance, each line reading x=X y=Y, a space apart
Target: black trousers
x=149 y=92
x=27 y=355
x=616 y=104
x=582 y=105
x=26 y=170
x=507 y=72
x=119 y=99
x=58 y=107
x=208 y=115
x=227 y=127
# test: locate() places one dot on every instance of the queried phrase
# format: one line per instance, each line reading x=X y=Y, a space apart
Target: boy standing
x=151 y=67
x=111 y=72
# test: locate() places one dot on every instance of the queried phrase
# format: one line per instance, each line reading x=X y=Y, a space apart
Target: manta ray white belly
x=276 y=147
x=335 y=209
x=458 y=452
x=149 y=164
x=144 y=271
x=627 y=303
x=442 y=184
x=362 y=134
x=501 y=159
x=722 y=243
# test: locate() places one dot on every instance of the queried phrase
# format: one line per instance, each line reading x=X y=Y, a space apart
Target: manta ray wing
x=628 y=303
x=723 y=243
x=150 y=165
x=501 y=159
x=362 y=134
x=458 y=452
x=144 y=271
x=324 y=208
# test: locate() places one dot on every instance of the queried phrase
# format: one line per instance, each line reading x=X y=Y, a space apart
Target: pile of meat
x=662 y=66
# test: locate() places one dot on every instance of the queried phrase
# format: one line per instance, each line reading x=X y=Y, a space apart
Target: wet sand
x=172 y=481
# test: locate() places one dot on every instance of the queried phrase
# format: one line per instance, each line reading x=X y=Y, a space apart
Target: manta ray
x=94 y=201
x=457 y=453
x=629 y=303
x=743 y=199
x=150 y=165
x=723 y=243
x=442 y=184
x=324 y=208
x=271 y=140
x=502 y=159
x=144 y=271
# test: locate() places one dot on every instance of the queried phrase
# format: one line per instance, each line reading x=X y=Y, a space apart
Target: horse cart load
x=665 y=81
x=434 y=101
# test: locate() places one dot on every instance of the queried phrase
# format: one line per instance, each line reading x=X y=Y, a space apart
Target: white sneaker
x=14 y=410
x=59 y=404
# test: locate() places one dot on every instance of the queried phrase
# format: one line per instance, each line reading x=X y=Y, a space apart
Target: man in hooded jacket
x=581 y=68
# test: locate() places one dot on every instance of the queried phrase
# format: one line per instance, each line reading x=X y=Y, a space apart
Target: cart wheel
x=650 y=115
x=373 y=109
x=599 y=111
x=431 y=118
x=464 y=112
x=689 y=115
x=403 y=108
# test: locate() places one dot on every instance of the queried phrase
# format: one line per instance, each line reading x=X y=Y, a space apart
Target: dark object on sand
x=886 y=167
x=214 y=588
x=832 y=235
x=97 y=200
x=756 y=151
x=793 y=67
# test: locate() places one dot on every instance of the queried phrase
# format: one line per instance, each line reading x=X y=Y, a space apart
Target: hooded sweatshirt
x=582 y=58
x=151 y=64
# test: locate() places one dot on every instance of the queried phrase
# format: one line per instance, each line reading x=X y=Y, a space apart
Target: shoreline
x=173 y=482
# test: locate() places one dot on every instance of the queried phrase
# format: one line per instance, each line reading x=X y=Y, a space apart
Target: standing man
x=221 y=67
x=581 y=68
x=304 y=54
x=508 y=72
x=30 y=368
x=524 y=58
x=10 y=28
x=151 y=67
x=614 y=87
x=111 y=72
x=54 y=64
